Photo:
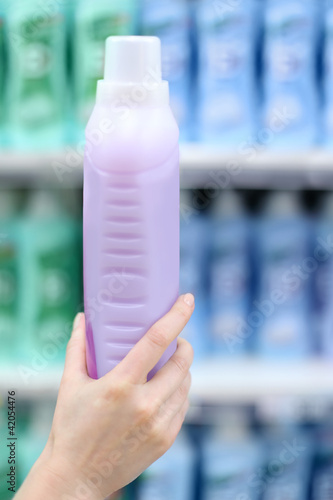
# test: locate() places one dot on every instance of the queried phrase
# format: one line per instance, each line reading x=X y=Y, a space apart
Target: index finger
x=147 y=352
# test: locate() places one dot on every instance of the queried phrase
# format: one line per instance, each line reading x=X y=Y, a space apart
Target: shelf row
x=214 y=381
x=201 y=167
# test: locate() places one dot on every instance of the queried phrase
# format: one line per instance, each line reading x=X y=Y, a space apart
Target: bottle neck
x=149 y=93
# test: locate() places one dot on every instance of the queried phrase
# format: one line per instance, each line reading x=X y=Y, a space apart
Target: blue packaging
x=322 y=487
x=328 y=73
x=281 y=313
x=230 y=458
x=193 y=266
x=171 y=476
x=287 y=468
x=230 y=275
x=170 y=21
x=227 y=89
x=291 y=107
x=323 y=279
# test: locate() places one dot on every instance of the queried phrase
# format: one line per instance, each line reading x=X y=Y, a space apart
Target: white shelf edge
x=213 y=380
x=250 y=380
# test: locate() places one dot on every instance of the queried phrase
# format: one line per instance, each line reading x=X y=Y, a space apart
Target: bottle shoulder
x=125 y=139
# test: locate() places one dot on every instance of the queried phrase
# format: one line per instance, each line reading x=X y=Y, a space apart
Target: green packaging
x=36 y=83
x=94 y=21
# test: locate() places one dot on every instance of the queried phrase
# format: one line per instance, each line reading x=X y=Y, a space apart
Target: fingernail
x=77 y=320
x=189 y=299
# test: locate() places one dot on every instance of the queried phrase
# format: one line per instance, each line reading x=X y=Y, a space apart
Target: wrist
x=52 y=478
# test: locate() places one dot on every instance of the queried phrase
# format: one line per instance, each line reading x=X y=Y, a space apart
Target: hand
x=106 y=432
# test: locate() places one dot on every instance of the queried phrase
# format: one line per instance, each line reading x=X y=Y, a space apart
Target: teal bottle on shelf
x=36 y=81
x=93 y=23
x=50 y=264
x=2 y=73
x=9 y=276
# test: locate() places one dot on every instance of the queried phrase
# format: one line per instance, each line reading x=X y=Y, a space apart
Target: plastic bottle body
x=131 y=228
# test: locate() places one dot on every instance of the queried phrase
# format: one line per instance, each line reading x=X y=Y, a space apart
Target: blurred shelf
x=201 y=167
x=251 y=380
x=213 y=381
x=30 y=382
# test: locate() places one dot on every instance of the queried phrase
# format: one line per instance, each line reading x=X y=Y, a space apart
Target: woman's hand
x=106 y=432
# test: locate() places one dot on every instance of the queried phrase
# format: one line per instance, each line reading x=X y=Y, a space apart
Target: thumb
x=75 y=363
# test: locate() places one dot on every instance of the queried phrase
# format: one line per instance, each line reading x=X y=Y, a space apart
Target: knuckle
x=118 y=390
x=158 y=337
x=163 y=440
x=181 y=363
x=144 y=412
x=184 y=410
x=183 y=390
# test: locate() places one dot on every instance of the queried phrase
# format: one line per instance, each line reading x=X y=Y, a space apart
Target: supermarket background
x=251 y=86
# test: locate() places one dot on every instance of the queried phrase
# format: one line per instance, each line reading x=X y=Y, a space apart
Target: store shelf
x=250 y=380
x=201 y=167
x=213 y=381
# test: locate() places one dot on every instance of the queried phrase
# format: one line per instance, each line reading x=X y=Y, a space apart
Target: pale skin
x=106 y=432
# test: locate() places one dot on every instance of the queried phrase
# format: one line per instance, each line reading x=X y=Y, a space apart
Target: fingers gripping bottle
x=131 y=204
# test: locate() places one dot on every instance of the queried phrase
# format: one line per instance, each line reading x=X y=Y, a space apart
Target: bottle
x=281 y=311
x=2 y=71
x=323 y=279
x=322 y=476
x=49 y=264
x=36 y=83
x=9 y=276
x=171 y=476
x=291 y=107
x=193 y=269
x=230 y=276
x=169 y=20
x=131 y=204
x=93 y=23
x=286 y=472
x=328 y=73
x=230 y=458
x=227 y=87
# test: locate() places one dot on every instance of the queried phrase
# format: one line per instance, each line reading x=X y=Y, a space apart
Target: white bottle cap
x=129 y=59
x=133 y=63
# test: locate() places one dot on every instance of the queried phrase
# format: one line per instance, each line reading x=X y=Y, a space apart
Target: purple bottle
x=131 y=204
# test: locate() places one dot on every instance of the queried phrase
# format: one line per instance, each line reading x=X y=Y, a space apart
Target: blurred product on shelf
x=288 y=461
x=242 y=74
x=227 y=86
x=2 y=72
x=10 y=282
x=275 y=305
x=290 y=72
x=36 y=89
x=194 y=233
x=323 y=283
x=229 y=275
x=282 y=311
x=328 y=72
x=93 y=23
x=322 y=485
x=50 y=265
x=171 y=476
x=34 y=425
x=231 y=457
x=39 y=250
x=170 y=21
